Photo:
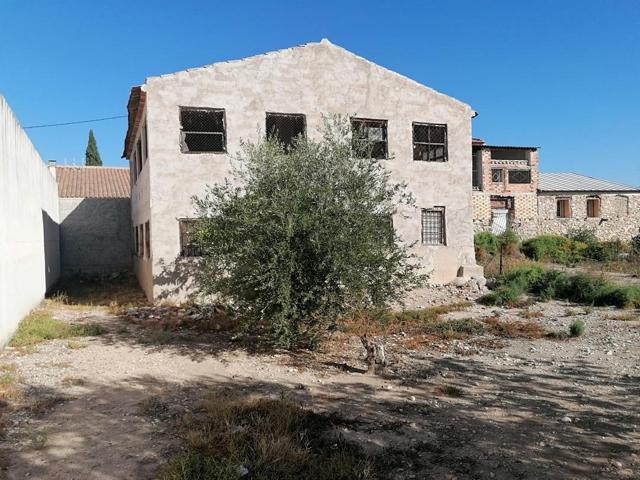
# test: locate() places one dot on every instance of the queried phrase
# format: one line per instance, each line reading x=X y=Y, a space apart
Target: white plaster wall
x=315 y=79
x=29 y=235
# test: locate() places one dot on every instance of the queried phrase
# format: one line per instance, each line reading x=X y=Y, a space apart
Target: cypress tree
x=92 y=155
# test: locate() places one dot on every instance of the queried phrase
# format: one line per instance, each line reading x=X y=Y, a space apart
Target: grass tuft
x=514 y=329
x=40 y=326
x=232 y=436
x=577 y=328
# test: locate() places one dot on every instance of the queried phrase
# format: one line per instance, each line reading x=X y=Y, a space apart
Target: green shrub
x=583 y=235
x=306 y=238
x=486 y=243
x=549 y=283
x=577 y=328
x=553 y=248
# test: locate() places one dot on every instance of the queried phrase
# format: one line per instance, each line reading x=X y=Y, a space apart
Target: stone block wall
x=95 y=235
x=619 y=215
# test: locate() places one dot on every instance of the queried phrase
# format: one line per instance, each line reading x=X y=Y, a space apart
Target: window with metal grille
x=369 y=138
x=430 y=142
x=139 y=154
x=145 y=143
x=519 y=176
x=433 y=226
x=563 y=208
x=476 y=170
x=135 y=239
x=285 y=127
x=140 y=241
x=593 y=207
x=497 y=175
x=147 y=241
x=203 y=130
x=188 y=245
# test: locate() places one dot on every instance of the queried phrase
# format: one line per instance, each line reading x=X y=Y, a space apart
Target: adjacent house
x=95 y=219
x=510 y=192
x=569 y=201
x=505 y=183
x=184 y=128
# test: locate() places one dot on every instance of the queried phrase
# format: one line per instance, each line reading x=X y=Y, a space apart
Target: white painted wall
x=315 y=79
x=29 y=235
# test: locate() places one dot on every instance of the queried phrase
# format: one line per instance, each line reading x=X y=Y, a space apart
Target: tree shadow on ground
x=499 y=427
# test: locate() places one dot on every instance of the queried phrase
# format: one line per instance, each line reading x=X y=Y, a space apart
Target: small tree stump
x=375 y=358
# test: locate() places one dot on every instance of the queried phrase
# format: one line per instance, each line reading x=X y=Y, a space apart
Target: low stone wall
x=29 y=235
x=95 y=235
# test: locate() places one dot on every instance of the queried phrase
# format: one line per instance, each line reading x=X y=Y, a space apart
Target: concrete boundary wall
x=29 y=218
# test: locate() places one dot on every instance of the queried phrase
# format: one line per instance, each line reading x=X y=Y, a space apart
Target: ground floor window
x=593 y=207
x=433 y=226
x=563 y=207
x=188 y=245
x=147 y=240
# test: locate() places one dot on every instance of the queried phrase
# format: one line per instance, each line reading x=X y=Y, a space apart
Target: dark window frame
x=439 y=237
x=147 y=240
x=187 y=248
x=519 y=171
x=183 y=133
x=429 y=143
x=384 y=124
x=287 y=144
x=501 y=172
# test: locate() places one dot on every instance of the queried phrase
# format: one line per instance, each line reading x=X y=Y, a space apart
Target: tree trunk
x=375 y=358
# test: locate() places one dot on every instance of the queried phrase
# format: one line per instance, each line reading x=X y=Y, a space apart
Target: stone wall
x=29 y=235
x=619 y=215
x=95 y=235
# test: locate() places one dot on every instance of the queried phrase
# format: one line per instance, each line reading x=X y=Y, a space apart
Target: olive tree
x=303 y=233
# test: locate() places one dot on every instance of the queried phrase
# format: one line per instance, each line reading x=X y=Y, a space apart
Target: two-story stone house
x=185 y=127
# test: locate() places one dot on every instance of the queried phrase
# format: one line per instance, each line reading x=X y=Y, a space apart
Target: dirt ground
x=105 y=407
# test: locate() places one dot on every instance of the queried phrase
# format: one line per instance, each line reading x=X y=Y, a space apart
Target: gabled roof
x=137 y=98
x=574 y=182
x=93 y=182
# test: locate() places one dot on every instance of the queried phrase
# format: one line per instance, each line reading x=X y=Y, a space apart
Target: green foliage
x=577 y=328
x=486 y=243
x=583 y=235
x=553 y=248
x=552 y=284
x=92 y=155
x=302 y=235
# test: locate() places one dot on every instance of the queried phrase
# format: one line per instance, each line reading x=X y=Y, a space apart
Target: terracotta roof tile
x=93 y=182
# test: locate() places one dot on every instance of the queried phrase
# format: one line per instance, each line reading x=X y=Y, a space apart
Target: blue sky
x=562 y=75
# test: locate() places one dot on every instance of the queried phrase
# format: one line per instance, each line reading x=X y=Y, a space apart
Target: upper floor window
x=519 y=176
x=188 y=245
x=430 y=142
x=433 y=226
x=563 y=208
x=285 y=127
x=593 y=207
x=203 y=130
x=369 y=138
x=497 y=175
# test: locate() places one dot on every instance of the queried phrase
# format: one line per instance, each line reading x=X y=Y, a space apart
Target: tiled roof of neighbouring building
x=573 y=182
x=93 y=182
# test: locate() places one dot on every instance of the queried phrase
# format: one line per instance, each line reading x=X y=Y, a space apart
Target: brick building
x=505 y=184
